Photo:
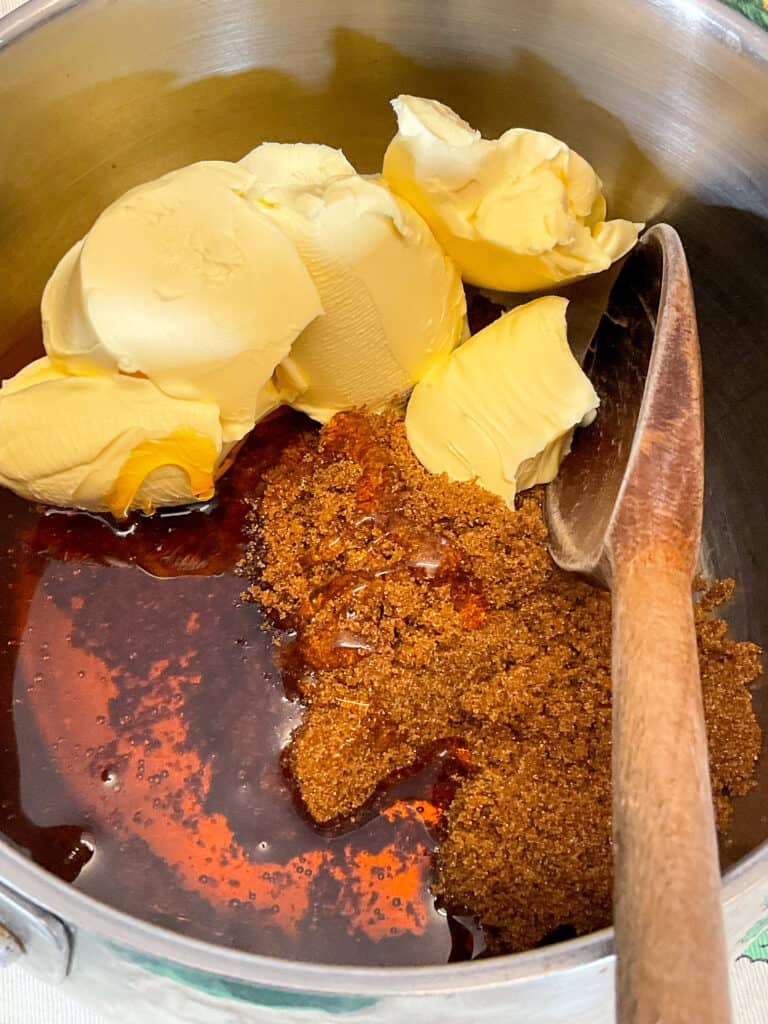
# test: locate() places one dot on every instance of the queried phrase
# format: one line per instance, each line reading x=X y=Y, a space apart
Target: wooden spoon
x=626 y=511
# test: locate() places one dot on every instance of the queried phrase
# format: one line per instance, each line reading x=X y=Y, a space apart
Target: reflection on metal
x=10 y=948
x=39 y=936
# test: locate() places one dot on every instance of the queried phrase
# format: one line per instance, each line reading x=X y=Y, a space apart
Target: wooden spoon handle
x=669 y=926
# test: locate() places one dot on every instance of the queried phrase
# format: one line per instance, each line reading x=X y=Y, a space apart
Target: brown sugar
x=427 y=619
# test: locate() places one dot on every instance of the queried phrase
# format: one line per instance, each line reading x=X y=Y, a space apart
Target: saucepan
x=667 y=98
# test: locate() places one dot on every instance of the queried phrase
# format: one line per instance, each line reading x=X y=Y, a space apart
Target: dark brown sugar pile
x=428 y=619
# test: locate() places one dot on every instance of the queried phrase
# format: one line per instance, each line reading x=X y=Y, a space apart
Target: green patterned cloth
x=756 y=10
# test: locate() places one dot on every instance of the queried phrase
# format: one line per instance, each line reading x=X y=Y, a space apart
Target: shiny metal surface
x=38 y=935
x=10 y=948
x=669 y=100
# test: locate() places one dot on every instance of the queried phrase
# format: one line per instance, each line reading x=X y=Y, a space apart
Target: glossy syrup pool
x=142 y=719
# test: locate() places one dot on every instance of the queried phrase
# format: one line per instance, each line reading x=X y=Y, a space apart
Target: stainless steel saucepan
x=667 y=98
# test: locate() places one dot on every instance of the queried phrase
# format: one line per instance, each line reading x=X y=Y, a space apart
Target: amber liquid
x=143 y=717
x=142 y=720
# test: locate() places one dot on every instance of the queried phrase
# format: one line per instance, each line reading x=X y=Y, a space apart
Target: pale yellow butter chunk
x=519 y=213
x=105 y=442
x=393 y=302
x=502 y=407
x=185 y=281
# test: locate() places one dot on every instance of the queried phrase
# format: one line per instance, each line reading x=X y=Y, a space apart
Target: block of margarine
x=105 y=442
x=502 y=407
x=187 y=283
x=519 y=213
x=393 y=302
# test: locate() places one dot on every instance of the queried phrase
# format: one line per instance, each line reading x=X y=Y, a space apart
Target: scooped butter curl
x=393 y=303
x=501 y=409
x=184 y=281
x=519 y=213
x=105 y=442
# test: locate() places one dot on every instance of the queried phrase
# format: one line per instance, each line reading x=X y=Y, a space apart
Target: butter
x=519 y=213
x=184 y=281
x=393 y=303
x=296 y=165
x=199 y=302
x=501 y=409
x=105 y=442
